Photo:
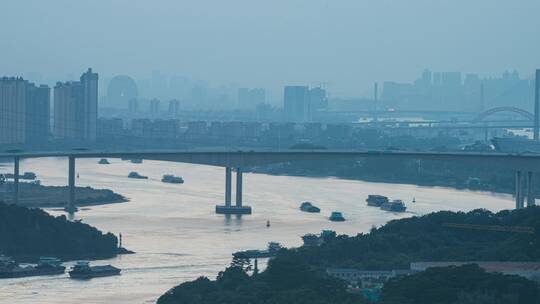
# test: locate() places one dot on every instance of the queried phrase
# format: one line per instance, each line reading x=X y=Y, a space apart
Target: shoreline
x=384 y=180
x=40 y=196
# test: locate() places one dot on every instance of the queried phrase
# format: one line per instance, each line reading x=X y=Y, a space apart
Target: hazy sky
x=347 y=44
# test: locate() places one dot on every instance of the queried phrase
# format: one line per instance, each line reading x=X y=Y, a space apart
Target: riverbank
x=302 y=273
x=33 y=195
x=162 y=222
x=420 y=173
x=28 y=233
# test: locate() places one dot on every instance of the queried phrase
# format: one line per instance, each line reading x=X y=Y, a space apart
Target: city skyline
x=166 y=87
x=347 y=45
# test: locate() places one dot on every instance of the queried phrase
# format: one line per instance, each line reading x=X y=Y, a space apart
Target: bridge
x=525 y=165
x=523 y=113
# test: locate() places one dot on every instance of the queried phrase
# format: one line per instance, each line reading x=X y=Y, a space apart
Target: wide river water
x=177 y=236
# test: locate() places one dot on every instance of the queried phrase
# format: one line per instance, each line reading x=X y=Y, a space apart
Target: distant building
x=75 y=108
x=365 y=278
x=296 y=105
x=159 y=128
x=165 y=128
x=24 y=111
x=174 y=107
x=38 y=116
x=250 y=98
x=155 y=107
x=141 y=127
x=449 y=91
x=318 y=99
x=197 y=128
x=12 y=110
x=133 y=105
x=121 y=90
x=110 y=127
x=529 y=270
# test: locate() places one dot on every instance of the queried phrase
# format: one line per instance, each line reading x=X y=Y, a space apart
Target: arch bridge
x=524 y=113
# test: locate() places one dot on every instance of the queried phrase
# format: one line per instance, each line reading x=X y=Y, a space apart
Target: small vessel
x=308 y=207
x=136 y=175
x=169 y=178
x=25 y=175
x=271 y=251
x=49 y=265
x=376 y=200
x=136 y=161
x=336 y=217
x=83 y=270
x=394 y=206
x=103 y=161
x=46 y=266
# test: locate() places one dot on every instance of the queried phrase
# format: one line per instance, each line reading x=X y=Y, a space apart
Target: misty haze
x=270 y=152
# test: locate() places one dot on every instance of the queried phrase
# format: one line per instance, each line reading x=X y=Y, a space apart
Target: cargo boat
x=136 y=175
x=394 y=206
x=46 y=266
x=169 y=178
x=376 y=200
x=308 y=207
x=83 y=270
x=336 y=217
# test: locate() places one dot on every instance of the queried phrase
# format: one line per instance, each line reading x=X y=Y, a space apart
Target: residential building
x=24 y=111
x=296 y=105
x=75 y=108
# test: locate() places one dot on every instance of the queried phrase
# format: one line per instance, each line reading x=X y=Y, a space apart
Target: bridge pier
x=531 y=195
x=16 y=166
x=228 y=186
x=71 y=207
x=525 y=182
x=228 y=208
x=519 y=190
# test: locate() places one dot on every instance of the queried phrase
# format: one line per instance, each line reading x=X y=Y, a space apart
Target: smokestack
x=537 y=106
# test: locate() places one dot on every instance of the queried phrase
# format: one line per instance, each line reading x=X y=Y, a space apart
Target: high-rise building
x=75 y=108
x=133 y=105
x=12 y=110
x=155 y=107
x=296 y=104
x=38 y=116
x=317 y=100
x=174 y=107
x=24 y=111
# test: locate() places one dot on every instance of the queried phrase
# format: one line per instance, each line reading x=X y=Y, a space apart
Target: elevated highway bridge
x=525 y=165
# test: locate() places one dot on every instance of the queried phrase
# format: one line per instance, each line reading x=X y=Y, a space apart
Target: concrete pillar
x=238 y=187
x=536 y=129
x=71 y=185
x=519 y=192
x=228 y=186
x=16 y=164
x=531 y=195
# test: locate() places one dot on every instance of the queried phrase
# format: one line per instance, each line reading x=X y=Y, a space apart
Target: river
x=177 y=237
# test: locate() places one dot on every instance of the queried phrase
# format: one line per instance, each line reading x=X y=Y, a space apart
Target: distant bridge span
x=252 y=158
x=525 y=165
x=524 y=113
